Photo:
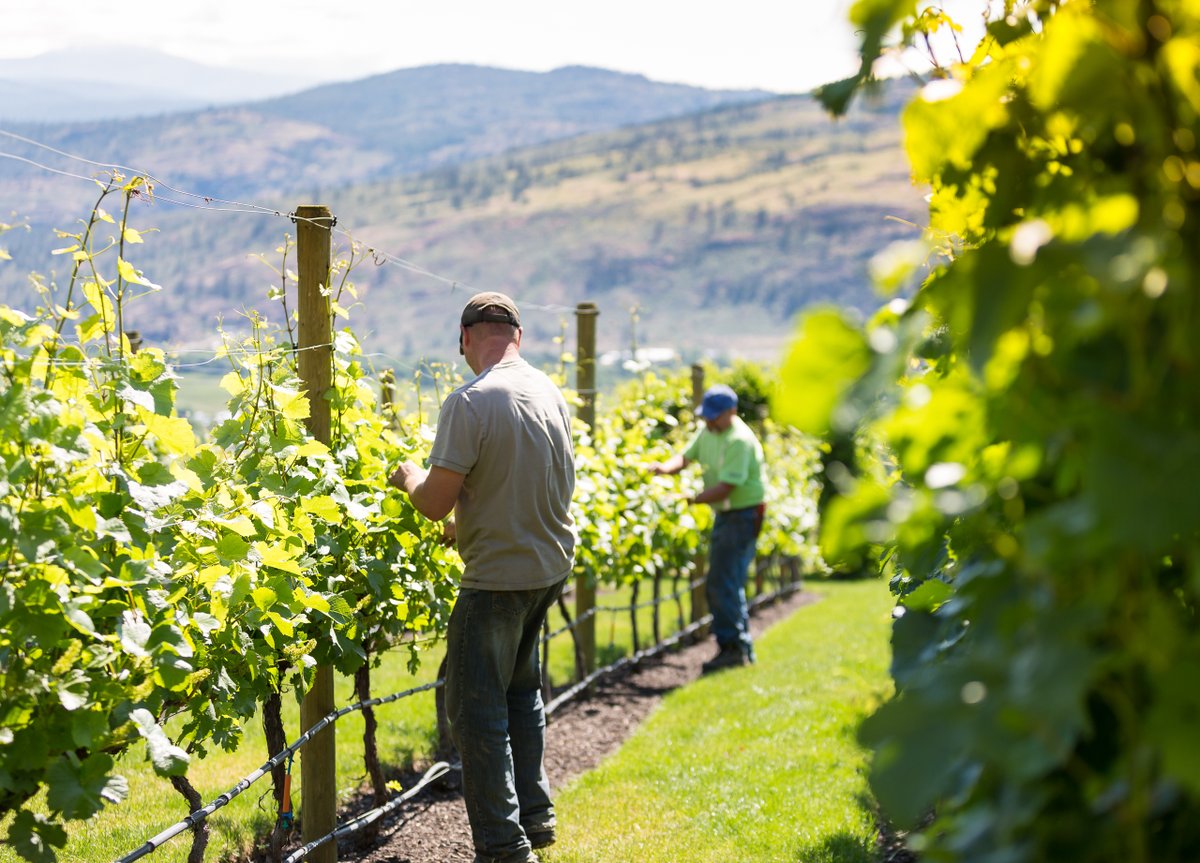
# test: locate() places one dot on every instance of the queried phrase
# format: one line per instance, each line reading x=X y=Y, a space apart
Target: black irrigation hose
x=615 y=609
x=691 y=628
x=570 y=627
x=194 y=818
x=441 y=768
x=649 y=602
x=579 y=687
x=359 y=822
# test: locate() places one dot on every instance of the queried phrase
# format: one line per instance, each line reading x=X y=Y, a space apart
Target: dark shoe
x=727 y=657
x=540 y=838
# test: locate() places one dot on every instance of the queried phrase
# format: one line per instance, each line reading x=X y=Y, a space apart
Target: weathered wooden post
x=699 y=596
x=387 y=397
x=318 y=761
x=585 y=384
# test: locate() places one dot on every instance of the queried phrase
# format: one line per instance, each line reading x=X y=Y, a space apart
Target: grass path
x=757 y=764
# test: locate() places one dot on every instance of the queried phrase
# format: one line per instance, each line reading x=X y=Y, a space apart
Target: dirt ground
x=432 y=827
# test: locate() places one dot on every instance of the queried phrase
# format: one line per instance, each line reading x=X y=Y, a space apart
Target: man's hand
x=449 y=533
x=407 y=477
x=433 y=492
x=673 y=465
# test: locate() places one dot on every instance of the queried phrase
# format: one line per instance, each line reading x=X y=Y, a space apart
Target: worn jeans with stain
x=497 y=719
x=730 y=553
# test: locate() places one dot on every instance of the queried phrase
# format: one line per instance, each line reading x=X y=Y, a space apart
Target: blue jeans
x=497 y=720
x=731 y=551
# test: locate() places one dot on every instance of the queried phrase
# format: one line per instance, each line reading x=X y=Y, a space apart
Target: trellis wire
x=194 y=818
x=656 y=649
x=441 y=768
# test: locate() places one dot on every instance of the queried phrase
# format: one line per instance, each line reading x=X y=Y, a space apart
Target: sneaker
x=728 y=657
x=540 y=838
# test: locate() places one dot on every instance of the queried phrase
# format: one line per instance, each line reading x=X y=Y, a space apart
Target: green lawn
x=755 y=764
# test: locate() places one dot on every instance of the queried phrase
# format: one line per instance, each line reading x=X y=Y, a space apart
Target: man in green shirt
x=731 y=458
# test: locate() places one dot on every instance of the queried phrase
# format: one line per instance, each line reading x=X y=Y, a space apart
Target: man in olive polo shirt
x=731 y=458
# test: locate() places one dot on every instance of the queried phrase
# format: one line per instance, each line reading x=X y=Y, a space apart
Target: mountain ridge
x=716 y=227
x=387 y=125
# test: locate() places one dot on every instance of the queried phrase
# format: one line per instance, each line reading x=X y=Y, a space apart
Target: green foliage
x=150 y=576
x=147 y=575
x=1017 y=447
x=754 y=386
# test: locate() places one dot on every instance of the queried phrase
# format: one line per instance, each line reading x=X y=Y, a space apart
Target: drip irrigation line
x=633 y=659
x=437 y=770
x=615 y=609
x=194 y=818
x=569 y=627
x=654 y=650
x=357 y=823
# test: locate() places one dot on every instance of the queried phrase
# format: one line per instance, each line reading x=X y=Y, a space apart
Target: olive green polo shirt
x=733 y=456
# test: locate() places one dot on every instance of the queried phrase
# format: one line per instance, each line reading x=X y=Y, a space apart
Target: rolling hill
x=330 y=136
x=717 y=227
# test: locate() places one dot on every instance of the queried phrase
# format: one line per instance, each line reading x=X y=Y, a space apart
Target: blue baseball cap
x=717 y=399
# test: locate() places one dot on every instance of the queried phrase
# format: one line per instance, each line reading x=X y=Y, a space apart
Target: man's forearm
x=714 y=494
x=414 y=486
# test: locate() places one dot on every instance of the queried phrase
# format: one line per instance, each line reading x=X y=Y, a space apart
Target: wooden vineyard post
x=585 y=384
x=387 y=397
x=699 y=597
x=318 y=761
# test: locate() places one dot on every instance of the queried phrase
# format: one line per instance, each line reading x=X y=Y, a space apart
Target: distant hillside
x=718 y=227
x=338 y=134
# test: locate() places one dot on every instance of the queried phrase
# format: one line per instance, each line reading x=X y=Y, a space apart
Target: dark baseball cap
x=490 y=306
x=717 y=400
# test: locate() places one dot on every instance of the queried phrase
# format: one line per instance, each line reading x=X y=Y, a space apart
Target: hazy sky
x=780 y=45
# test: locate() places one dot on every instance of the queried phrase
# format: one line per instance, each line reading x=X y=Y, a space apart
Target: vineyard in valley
x=163 y=588
x=1011 y=440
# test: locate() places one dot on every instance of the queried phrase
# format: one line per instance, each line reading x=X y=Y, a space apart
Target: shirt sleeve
x=456 y=443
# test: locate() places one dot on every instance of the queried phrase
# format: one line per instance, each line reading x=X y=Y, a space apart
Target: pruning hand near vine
x=732 y=461
x=503 y=462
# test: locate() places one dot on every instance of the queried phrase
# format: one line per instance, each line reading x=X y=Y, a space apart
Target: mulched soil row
x=432 y=828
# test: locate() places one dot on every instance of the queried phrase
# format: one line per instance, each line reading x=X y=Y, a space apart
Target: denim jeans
x=497 y=719
x=731 y=551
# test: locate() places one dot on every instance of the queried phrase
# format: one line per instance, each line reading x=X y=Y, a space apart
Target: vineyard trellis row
x=151 y=576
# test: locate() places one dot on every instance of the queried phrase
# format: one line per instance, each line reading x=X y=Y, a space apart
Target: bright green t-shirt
x=733 y=456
